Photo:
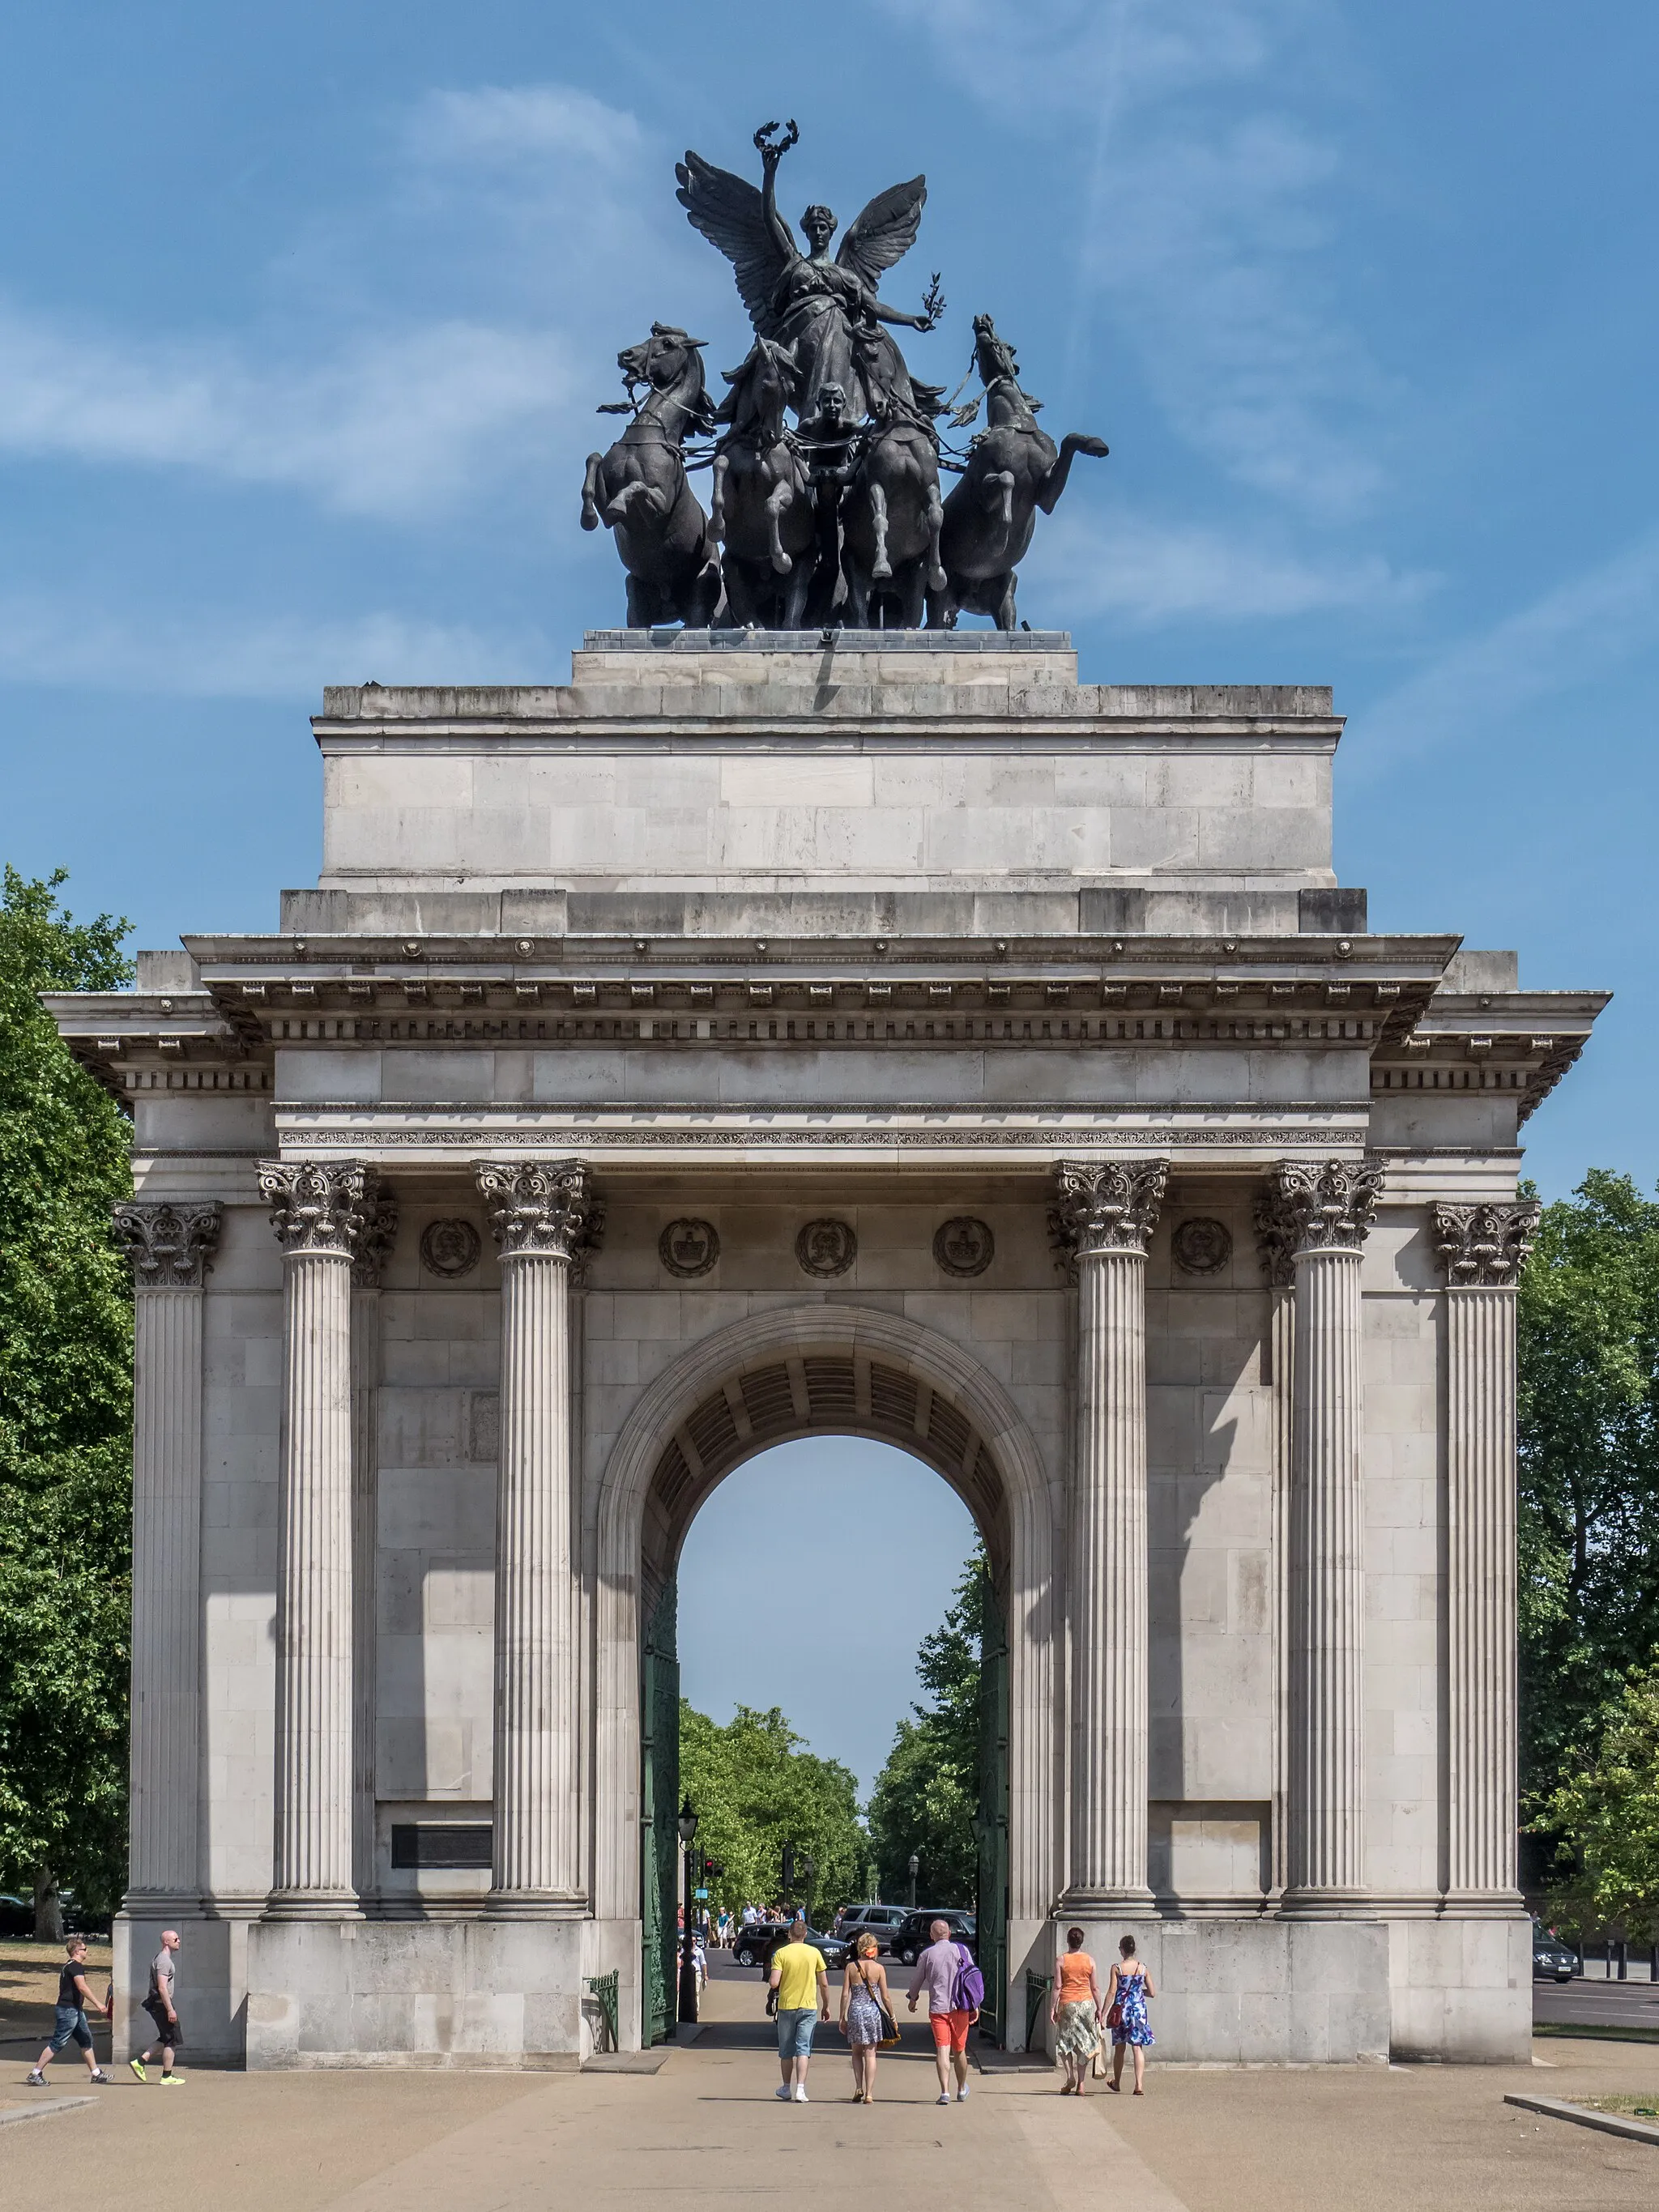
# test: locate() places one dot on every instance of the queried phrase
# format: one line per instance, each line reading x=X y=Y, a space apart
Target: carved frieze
x=964 y=1245
x=689 y=1248
x=320 y=1206
x=1104 y=1205
x=1484 y=1247
x=826 y=1248
x=1315 y=1205
x=171 y=1246
x=542 y=1209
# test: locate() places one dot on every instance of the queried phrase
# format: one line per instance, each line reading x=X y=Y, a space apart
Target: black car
x=1551 y=1960
x=911 y=1937
x=16 y=1916
x=756 y=1944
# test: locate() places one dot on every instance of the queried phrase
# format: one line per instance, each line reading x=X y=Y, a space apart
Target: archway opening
x=772 y=1433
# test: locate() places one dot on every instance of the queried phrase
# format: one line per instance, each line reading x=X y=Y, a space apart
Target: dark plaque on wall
x=826 y=1248
x=1202 y=1247
x=963 y=1246
x=431 y=1843
x=449 y=1249
x=689 y=1248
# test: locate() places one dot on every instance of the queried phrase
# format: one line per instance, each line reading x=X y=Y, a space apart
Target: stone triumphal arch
x=773 y=1033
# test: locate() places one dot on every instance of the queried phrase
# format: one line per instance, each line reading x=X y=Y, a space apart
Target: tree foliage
x=926 y=1796
x=756 y=1787
x=65 y=1415
x=1606 y=1812
x=1588 y=1420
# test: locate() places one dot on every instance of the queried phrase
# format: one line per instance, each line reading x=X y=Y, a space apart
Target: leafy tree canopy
x=65 y=1416
x=1589 y=1412
x=926 y=1796
x=1606 y=1812
x=756 y=1787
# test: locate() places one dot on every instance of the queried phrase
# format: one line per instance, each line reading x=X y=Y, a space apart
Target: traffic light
x=712 y=1869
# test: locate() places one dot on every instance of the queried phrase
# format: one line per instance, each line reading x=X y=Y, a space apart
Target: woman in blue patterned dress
x=1126 y=2012
x=866 y=2010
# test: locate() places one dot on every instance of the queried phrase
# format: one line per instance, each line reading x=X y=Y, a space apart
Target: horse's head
x=670 y=364
x=998 y=371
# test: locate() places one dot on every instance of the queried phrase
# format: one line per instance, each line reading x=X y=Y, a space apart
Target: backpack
x=968 y=1990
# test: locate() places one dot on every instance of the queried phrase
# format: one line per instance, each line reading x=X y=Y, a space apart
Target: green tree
x=756 y=1787
x=1605 y=1815
x=926 y=1796
x=66 y=1418
x=1588 y=1423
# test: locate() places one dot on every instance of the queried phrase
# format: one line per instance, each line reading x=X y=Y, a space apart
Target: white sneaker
x=962 y=2094
x=800 y=2094
x=781 y=2093
x=944 y=2096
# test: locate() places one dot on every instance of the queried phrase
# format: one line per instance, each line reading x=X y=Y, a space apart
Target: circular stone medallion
x=689 y=1248
x=963 y=1246
x=826 y=1248
x=449 y=1249
x=1202 y=1247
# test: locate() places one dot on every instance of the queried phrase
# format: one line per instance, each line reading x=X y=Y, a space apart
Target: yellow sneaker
x=171 y=2082
x=138 y=2066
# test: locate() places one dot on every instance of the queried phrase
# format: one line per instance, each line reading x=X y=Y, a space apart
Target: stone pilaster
x=1482 y=1248
x=1103 y=1215
x=322 y=1212
x=1318 y=1214
x=374 y=1249
x=546 y=1222
x=171 y=1247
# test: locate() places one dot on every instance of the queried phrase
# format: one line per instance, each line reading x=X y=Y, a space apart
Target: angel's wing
x=884 y=233
x=729 y=212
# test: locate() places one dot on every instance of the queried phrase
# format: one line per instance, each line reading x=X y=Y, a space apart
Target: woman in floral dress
x=866 y=2011
x=1126 y=2013
x=1075 y=2012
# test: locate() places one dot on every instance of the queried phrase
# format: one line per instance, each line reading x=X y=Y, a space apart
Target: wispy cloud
x=1205 y=234
x=236 y=657
x=1606 y=618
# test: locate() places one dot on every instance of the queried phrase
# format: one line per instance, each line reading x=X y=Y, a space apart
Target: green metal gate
x=991 y=1821
x=659 y=1801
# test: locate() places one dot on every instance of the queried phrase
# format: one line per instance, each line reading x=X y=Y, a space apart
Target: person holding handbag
x=866 y=2015
x=1075 y=2012
x=1126 y=1998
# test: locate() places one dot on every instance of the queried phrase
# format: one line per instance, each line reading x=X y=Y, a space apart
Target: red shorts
x=950 y=2029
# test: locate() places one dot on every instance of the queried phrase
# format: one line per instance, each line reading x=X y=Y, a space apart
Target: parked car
x=911 y=1937
x=1551 y=1959
x=16 y=1915
x=881 y=1921
x=756 y=1944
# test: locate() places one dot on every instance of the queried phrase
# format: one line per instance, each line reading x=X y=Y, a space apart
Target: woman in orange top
x=1075 y=2012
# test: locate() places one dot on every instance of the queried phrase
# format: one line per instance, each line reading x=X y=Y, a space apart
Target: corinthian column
x=375 y=1249
x=1103 y=1218
x=1319 y=1213
x=171 y=1247
x=321 y=1210
x=546 y=1222
x=1481 y=1249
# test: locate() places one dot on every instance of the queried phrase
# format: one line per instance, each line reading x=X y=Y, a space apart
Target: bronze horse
x=891 y=516
x=641 y=490
x=763 y=511
x=1013 y=469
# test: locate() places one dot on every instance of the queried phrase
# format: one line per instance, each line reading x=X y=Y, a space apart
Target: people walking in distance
x=70 y=2023
x=801 y=1979
x=1126 y=2013
x=952 y=2008
x=1075 y=2011
x=866 y=2015
x=163 y=2012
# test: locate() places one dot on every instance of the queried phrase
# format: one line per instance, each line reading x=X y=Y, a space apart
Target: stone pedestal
x=1103 y=1216
x=544 y=1222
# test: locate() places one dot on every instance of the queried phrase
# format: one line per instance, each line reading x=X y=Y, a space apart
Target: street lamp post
x=916 y=1869
x=688 y=2005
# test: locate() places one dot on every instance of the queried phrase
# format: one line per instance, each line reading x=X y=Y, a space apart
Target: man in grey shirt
x=936 y=1972
x=164 y=2014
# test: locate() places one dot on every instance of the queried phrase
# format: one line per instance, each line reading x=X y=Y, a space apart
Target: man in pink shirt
x=936 y=1972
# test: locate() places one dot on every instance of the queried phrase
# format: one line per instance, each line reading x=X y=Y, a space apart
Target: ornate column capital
x=320 y=1206
x=1484 y=1247
x=376 y=1238
x=1313 y=1206
x=171 y=1245
x=1105 y=1205
x=542 y=1208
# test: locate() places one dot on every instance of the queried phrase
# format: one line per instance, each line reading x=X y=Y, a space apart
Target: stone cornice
x=321 y=1206
x=1315 y=1205
x=1484 y=1247
x=541 y=1210
x=1104 y=1206
x=136 y=1041
x=171 y=1243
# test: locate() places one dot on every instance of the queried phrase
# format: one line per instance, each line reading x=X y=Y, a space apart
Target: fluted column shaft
x=365 y=1504
x=1482 y=1248
x=171 y=1248
x=545 y=1223
x=1105 y=1216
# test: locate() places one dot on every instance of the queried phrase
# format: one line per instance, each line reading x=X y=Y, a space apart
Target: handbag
x=1114 y=2017
x=890 y=2034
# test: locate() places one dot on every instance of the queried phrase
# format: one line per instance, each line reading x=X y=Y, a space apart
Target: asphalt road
x=1624 y=2004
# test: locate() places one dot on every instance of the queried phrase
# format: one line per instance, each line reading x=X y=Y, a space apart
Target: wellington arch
x=777 y=1033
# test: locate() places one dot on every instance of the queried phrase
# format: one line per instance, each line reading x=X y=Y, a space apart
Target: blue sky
x=304 y=314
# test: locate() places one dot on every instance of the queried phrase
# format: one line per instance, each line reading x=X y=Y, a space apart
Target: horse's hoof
x=590 y=515
x=882 y=571
x=782 y=563
x=937 y=580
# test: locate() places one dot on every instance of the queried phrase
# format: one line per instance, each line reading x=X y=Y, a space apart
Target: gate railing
x=1037 y=1987
x=607 y=1988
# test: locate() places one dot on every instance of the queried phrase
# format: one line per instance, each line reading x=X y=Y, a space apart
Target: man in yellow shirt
x=802 y=1981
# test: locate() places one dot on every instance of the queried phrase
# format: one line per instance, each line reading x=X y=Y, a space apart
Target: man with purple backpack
x=956 y=1991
